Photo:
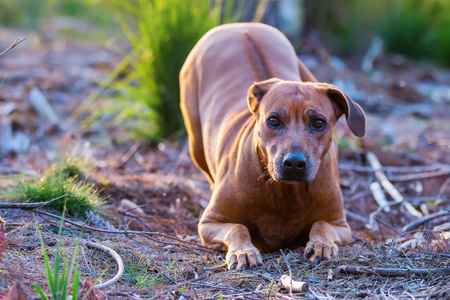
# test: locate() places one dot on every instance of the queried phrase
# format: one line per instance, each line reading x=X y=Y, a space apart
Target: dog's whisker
x=269 y=181
x=263 y=174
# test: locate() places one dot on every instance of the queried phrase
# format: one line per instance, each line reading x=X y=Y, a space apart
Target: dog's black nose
x=294 y=162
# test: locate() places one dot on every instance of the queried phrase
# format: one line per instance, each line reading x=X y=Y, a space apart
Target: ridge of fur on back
x=259 y=65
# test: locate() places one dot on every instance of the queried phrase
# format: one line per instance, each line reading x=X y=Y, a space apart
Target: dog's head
x=295 y=122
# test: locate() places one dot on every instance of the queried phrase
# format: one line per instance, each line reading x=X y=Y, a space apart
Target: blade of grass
x=47 y=265
x=58 y=248
x=40 y=291
x=76 y=283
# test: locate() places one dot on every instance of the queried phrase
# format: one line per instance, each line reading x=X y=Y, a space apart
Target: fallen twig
x=418 y=176
x=127 y=232
x=31 y=206
x=168 y=278
x=17 y=42
x=116 y=258
x=379 y=196
x=221 y=266
x=126 y=157
x=391 y=272
x=139 y=219
x=388 y=186
x=391 y=169
x=36 y=206
x=42 y=106
x=425 y=219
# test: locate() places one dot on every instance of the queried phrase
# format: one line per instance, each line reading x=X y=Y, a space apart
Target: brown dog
x=268 y=150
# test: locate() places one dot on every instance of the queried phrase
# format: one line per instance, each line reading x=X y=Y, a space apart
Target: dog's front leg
x=241 y=253
x=324 y=239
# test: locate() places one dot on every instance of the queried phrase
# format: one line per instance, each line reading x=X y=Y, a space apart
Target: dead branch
x=126 y=157
x=418 y=176
x=425 y=219
x=391 y=272
x=116 y=258
x=379 y=196
x=24 y=206
x=36 y=206
x=128 y=232
x=388 y=186
x=391 y=169
x=139 y=219
x=17 y=42
x=31 y=206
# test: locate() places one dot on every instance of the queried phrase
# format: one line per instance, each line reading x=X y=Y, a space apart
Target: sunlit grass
x=162 y=34
x=65 y=181
x=59 y=280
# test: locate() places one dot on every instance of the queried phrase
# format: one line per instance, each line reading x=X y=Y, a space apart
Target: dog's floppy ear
x=257 y=91
x=356 y=119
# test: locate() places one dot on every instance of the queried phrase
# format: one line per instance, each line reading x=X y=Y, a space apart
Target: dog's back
x=232 y=56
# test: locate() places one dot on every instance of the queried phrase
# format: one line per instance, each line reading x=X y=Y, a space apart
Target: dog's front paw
x=320 y=249
x=243 y=258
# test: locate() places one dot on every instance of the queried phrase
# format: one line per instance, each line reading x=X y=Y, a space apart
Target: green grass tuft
x=58 y=280
x=162 y=33
x=66 y=181
x=139 y=273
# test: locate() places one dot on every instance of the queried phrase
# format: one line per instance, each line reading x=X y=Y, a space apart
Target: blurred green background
x=162 y=32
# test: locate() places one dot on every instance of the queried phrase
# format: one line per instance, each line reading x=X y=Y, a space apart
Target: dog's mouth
x=293 y=179
x=291 y=176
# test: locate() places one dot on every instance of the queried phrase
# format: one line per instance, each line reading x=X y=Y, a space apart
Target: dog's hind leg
x=190 y=110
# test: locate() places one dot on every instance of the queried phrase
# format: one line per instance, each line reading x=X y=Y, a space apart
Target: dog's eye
x=273 y=122
x=319 y=124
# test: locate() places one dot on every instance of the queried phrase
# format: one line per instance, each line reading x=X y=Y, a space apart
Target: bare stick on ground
x=128 y=232
x=116 y=258
x=391 y=272
x=425 y=219
x=17 y=42
x=31 y=206
x=388 y=186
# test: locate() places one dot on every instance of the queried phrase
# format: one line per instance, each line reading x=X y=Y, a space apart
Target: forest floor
x=407 y=106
